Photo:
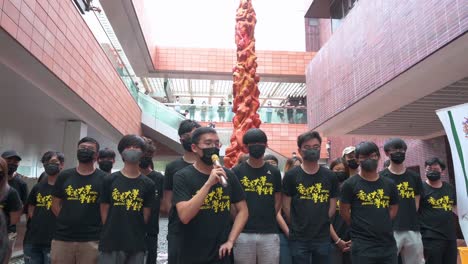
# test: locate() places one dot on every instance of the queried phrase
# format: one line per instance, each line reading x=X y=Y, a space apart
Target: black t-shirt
x=340 y=226
x=371 y=226
x=260 y=186
x=41 y=226
x=20 y=186
x=435 y=212
x=80 y=217
x=10 y=203
x=209 y=229
x=153 y=224
x=125 y=228
x=310 y=201
x=171 y=169
x=409 y=185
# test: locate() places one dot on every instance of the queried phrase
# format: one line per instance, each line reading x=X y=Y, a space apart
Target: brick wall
x=378 y=40
x=418 y=150
x=221 y=61
x=282 y=138
x=56 y=34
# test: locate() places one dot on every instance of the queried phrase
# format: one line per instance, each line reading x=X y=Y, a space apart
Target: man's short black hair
x=270 y=157
x=435 y=160
x=254 y=135
x=395 y=143
x=187 y=126
x=106 y=153
x=49 y=154
x=308 y=136
x=366 y=148
x=89 y=140
x=131 y=141
x=200 y=132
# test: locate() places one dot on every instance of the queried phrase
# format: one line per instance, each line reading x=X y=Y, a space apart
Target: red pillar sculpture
x=245 y=82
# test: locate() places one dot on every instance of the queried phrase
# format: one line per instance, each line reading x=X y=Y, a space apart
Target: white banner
x=455 y=122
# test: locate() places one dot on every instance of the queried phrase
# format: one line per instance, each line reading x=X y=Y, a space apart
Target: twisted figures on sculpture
x=245 y=82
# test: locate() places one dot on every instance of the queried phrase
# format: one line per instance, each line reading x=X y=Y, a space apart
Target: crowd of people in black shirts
x=349 y=213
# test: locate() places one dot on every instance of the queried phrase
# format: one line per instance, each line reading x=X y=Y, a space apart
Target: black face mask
x=352 y=164
x=398 y=157
x=341 y=175
x=145 y=162
x=12 y=168
x=51 y=169
x=106 y=165
x=85 y=155
x=187 y=144
x=256 y=151
x=207 y=153
x=433 y=175
x=369 y=165
x=311 y=154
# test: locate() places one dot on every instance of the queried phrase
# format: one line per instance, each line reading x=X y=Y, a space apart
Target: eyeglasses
x=85 y=147
x=307 y=147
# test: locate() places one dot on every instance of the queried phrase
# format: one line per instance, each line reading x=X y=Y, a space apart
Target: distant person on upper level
x=280 y=111
x=269 y=112
x=203 y=111
x=192 y=109
x=177 y=104
x=300 y=113
x=290 y=112
x=221 y=111
x=229 y=112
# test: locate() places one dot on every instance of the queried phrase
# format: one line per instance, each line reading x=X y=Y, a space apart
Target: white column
x=74 y=131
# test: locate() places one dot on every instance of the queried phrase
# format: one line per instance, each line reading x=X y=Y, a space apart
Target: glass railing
x=102 y=30
x=215 y=113
x=159 y=111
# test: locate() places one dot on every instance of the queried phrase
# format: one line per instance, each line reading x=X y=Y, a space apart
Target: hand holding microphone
x=217 y=164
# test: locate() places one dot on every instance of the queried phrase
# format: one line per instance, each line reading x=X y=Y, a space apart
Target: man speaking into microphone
x=203 y=204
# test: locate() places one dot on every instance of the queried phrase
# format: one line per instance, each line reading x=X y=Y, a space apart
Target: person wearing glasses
x=309 y=201
x=203 y=204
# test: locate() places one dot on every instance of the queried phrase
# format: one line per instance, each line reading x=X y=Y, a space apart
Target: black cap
x=10 y=154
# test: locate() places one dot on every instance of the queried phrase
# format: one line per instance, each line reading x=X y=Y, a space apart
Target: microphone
x=216 y=162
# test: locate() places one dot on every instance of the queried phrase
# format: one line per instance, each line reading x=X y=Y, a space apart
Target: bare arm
x=239 y=223
x=31 y=210
x=282 y=224
x=104 y=212
x=332 y=209
x=166 y=202
x=455 y=209
x=393 y=211
x=287 y=208
x=417 y=198
x=345 y=212
x=278 y=202
x=15 y=216
x=146 y=214
x=56 y=205
x=187 y=210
